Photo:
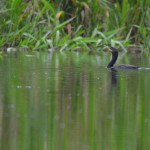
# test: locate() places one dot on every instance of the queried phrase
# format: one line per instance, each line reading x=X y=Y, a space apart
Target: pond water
x=71 y=101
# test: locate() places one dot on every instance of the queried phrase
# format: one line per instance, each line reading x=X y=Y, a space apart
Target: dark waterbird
x=114 y=52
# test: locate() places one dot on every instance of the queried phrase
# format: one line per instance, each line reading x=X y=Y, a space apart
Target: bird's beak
x=108 y=49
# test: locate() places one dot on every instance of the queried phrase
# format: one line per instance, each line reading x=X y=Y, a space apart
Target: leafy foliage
x=74 y=24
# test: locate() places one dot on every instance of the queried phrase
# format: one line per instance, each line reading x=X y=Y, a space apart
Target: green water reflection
x=71 y=101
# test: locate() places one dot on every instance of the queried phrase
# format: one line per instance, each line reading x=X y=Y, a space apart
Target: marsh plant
x=73 y=24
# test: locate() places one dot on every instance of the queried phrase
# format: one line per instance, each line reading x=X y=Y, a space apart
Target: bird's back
x=124 y=66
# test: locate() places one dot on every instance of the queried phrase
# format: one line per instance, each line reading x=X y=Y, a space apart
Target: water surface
x=70 y=101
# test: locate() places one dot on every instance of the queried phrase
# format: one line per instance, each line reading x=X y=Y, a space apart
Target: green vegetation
x=74 y=24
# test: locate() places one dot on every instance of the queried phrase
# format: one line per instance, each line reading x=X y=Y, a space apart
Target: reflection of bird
x=114 y=52
x=113 y=77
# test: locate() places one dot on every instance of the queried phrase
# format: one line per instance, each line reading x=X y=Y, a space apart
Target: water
x=70 y=101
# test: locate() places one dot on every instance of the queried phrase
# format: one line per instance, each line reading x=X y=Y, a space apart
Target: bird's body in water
x=114 y=52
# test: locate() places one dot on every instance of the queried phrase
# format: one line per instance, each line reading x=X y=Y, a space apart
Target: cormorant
x=114 y=52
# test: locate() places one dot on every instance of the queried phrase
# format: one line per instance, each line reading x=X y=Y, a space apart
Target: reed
x=72 y=25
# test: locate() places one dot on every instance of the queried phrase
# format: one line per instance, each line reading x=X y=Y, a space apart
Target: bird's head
x=113 y=50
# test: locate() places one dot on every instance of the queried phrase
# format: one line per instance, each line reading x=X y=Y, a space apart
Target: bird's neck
x=113 y=60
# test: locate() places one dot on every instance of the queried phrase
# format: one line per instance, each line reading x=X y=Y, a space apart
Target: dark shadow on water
x=113 y=77
x=113 y=85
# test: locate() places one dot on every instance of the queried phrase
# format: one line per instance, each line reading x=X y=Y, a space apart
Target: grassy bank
x=74 y=25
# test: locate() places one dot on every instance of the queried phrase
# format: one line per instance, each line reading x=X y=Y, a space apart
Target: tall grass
x=72 y=25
